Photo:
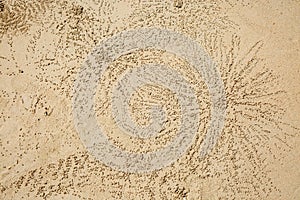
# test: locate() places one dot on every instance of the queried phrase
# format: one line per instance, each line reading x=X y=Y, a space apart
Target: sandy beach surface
x=150 y=99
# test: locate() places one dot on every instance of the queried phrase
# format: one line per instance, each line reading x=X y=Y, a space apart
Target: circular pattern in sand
x=93 y=135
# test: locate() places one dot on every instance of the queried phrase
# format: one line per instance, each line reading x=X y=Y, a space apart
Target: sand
x=255 y=48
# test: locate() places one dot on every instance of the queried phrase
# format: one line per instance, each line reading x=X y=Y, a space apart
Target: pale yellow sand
x=256 y=46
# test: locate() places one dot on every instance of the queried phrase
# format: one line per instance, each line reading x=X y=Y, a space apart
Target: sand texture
x=150 y=99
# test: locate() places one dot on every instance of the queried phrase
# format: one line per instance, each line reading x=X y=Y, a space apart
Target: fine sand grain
x=235 y=112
